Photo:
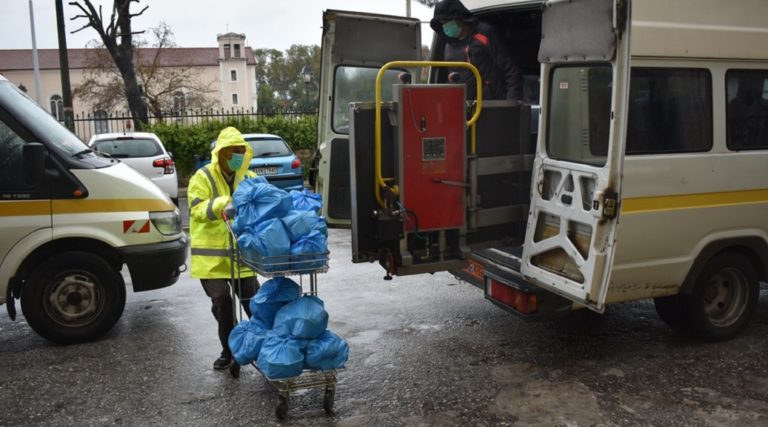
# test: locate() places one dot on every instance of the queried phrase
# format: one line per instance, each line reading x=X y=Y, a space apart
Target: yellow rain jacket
x=208 y=194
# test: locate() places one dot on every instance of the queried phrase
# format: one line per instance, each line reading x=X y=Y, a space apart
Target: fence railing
x=89 y=124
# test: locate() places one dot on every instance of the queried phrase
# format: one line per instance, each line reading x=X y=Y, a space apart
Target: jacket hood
x=447 y=10
x=231 y=137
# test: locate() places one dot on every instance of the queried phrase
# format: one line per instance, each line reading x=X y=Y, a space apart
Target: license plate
x=266 y=171
x=476 y=270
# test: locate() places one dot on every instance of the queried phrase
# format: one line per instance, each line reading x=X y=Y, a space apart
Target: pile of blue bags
x=278 y=230
x=287 y=333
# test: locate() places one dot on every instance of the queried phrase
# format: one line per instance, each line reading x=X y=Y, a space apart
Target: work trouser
x=221 y=303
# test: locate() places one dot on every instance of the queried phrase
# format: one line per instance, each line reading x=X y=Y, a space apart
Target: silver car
x=144 y=152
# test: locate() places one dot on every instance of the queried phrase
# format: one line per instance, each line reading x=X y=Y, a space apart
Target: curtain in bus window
x=670 y=111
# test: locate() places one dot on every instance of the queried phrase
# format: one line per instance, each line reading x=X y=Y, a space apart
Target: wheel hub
x=725 y=296
x=74 y=297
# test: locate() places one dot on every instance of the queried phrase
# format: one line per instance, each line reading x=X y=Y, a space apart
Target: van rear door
x=571 y=230
x=354 y=46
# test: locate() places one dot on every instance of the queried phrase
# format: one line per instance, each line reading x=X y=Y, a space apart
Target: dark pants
x=221 y=303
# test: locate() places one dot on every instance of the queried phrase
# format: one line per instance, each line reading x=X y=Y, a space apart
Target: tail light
x=296 y=163
x=166 y=163
x=522 y=302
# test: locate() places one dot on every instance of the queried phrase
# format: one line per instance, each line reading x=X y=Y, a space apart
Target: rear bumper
x=168 y=183
x=156 y=265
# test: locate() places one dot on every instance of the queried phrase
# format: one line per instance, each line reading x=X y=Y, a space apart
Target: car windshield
x=268 y=147
x=128 y=147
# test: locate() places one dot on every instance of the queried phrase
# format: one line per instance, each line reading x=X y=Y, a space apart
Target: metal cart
x=308 y=265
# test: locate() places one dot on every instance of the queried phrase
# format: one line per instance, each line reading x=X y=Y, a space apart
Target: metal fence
x=89 y=124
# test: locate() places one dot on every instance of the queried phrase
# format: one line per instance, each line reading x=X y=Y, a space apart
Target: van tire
x=723 y=297
x=73 y=297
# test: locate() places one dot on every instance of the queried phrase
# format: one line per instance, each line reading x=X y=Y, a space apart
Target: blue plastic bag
x=281 y=356
x=265 y=244
x=305 y=200
x=303 y=318
x=300 y=223
x=272 y=295
x=256 y=201
x=325 y=352
x=303 y=252
x=246 y=339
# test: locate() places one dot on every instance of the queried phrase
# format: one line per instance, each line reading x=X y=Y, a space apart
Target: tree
x=278 y=76
x=164 y=88
x=117 y=37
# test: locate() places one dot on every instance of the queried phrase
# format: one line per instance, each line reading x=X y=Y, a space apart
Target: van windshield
x=39 y=121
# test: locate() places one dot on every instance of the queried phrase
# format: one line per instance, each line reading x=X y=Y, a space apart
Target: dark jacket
x=502 y=78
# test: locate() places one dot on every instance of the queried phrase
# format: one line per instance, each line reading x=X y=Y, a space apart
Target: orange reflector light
x=78 y=193
x=520 y=301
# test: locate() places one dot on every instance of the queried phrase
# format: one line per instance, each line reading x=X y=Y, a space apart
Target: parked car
x=272 y=158
x=144 y=152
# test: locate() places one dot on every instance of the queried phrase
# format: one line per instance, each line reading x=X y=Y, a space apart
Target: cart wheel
x=330 y=395
x=282 y=407
x=234 y=370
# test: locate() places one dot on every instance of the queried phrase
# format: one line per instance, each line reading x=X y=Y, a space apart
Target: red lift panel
x=433 y=155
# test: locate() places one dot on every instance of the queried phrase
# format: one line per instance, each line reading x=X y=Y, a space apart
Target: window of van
x=580 y=113
x=670 y=111
x=11 y=157
x=747 y=109
x=357 y=84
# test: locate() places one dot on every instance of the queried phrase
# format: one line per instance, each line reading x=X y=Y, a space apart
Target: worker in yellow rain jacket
x=209 y=192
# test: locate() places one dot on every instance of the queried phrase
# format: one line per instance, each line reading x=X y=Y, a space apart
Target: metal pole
x=35 y=61
x=408 y=8
x=64 y=67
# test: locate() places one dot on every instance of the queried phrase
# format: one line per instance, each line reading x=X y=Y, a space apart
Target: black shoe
x=222 y=363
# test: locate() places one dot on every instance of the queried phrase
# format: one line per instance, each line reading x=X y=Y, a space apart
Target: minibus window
x=20 y=106
x=580 y=113
x=747 y=109
x=357 y=84
x=670 y=111
x=11 y=158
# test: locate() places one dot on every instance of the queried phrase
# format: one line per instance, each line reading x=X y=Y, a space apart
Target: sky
x=275 y=24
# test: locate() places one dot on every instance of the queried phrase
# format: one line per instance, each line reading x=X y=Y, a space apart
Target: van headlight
x=167 y=223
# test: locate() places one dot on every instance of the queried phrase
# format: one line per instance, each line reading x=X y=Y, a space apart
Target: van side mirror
x=34 y=163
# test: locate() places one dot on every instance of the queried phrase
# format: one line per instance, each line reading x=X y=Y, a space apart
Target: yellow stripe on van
x=25 y=207
x=693 y=201
x=74 y=206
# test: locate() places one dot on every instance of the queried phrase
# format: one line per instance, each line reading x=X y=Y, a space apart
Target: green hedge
x=188 y=142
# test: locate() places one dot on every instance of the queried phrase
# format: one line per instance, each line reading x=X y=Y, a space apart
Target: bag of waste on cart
x=272 y=295
x=246 y=339
x=281 y=356
x=255 y=201
x=303 y=318
x=325 y=352
x=265 y=244
x=308 y=252
x=300 y=223
x=306 y=200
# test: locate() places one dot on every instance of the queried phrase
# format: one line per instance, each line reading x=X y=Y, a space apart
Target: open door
x=571 y=230
x=354 y=46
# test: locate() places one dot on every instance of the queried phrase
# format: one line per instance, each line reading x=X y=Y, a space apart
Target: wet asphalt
x=424 y=350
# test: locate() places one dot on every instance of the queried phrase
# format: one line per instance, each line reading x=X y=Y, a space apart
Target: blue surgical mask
x=236 y=161
x=452 y=29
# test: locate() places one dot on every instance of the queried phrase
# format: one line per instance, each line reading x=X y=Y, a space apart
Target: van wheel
x=73 y=297
x=723 y=297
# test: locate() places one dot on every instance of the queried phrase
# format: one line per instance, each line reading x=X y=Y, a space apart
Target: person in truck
x=209 y=192
x=474 y=41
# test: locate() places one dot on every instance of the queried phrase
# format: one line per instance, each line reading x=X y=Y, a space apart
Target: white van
x=69 y=219
x=638 y=172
